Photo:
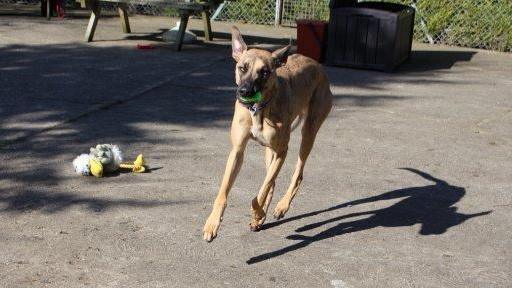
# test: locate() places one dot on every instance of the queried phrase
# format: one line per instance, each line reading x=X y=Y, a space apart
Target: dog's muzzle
x=244 y=90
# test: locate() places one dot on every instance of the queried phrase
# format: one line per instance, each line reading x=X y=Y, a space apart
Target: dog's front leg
x=239 y=138
x=258 y=203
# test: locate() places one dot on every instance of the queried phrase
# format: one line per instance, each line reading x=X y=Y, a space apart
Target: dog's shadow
x=431 y=206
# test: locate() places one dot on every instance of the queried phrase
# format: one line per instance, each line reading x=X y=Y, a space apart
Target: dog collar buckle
x=253 y=108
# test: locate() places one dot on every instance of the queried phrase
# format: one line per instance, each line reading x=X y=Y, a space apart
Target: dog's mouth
x=250 y=92
x=254 y=98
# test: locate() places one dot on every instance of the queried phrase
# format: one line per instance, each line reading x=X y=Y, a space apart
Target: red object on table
x=55 y=7
x=145 y=46
x=311 y=38
x=59 y=8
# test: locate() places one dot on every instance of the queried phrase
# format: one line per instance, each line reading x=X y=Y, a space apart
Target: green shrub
x=471 y=23
x=251 y=11
x=306 y=9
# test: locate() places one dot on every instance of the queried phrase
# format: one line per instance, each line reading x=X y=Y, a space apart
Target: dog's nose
x=243 y=90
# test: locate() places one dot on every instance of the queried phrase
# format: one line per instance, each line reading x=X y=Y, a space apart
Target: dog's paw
x=258 y=215
x=211 y=228
x=256 y=224
x=281 y=209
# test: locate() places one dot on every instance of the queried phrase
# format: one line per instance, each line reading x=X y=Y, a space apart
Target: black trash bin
x=371 y=35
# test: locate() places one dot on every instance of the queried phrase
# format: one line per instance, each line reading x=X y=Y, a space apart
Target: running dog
x=288 y=90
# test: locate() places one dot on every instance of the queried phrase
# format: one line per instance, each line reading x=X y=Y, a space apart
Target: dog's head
x=255 y=68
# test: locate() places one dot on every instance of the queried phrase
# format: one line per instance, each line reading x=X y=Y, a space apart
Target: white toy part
x=108 y=155
x=118 y=155
x=81 y=164
x=172 y=35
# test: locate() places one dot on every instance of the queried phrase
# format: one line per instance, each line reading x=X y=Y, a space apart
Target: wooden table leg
x=43 y=8
x=207 y=26
x=93 y=21
x=181 y=32
x=123 y=14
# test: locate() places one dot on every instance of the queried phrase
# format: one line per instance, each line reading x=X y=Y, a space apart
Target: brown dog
x=292 y=88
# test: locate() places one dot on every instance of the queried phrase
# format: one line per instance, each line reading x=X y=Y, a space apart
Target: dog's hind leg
x=318 y=110
x=260 y=204
x=308 y=138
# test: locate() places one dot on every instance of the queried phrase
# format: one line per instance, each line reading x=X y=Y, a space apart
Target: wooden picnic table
x=184 y=8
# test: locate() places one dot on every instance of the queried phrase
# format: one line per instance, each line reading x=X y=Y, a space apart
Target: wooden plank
x=384 y=43
x=123 y=14
x=331 y=40
x=361 y=38
x=351 y=39
x=339 y=37
x=207 y=26
x=342 y=37
x=371 y=41
x=93 y=21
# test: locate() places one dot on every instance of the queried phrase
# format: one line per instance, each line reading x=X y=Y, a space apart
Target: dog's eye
x=242 y=69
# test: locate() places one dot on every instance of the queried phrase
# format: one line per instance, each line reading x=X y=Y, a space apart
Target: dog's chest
x=261 y=132
x=259 y=136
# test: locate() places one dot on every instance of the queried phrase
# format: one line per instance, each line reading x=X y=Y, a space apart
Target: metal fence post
x=422 y=22
x=218 y=11
x=279 y=13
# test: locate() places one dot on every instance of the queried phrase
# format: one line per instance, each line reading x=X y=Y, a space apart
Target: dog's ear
x=280 y=55
x=237 y=43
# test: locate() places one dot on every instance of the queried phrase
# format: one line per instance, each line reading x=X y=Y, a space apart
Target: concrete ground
x=408 y=184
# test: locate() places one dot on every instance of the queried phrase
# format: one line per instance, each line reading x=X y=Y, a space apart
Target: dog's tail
x=426 y=176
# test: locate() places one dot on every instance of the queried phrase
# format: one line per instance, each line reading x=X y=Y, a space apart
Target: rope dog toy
x=137 y=166
x=105 y=158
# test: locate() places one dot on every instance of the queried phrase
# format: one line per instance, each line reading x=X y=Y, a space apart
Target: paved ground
x=408 y=185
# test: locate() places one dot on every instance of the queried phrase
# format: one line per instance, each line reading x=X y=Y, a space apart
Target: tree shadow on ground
x=424 y=67
x=431 y=206
x=47 y=84
x=57 y=202
x=43 y=198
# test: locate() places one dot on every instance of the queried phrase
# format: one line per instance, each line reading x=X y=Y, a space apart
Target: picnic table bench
x=184 y=8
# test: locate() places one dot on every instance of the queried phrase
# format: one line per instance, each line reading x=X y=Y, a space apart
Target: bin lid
x=342 y=3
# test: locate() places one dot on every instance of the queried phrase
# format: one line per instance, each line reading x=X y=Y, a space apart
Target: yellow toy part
x=137 y=166
x=96 y=167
